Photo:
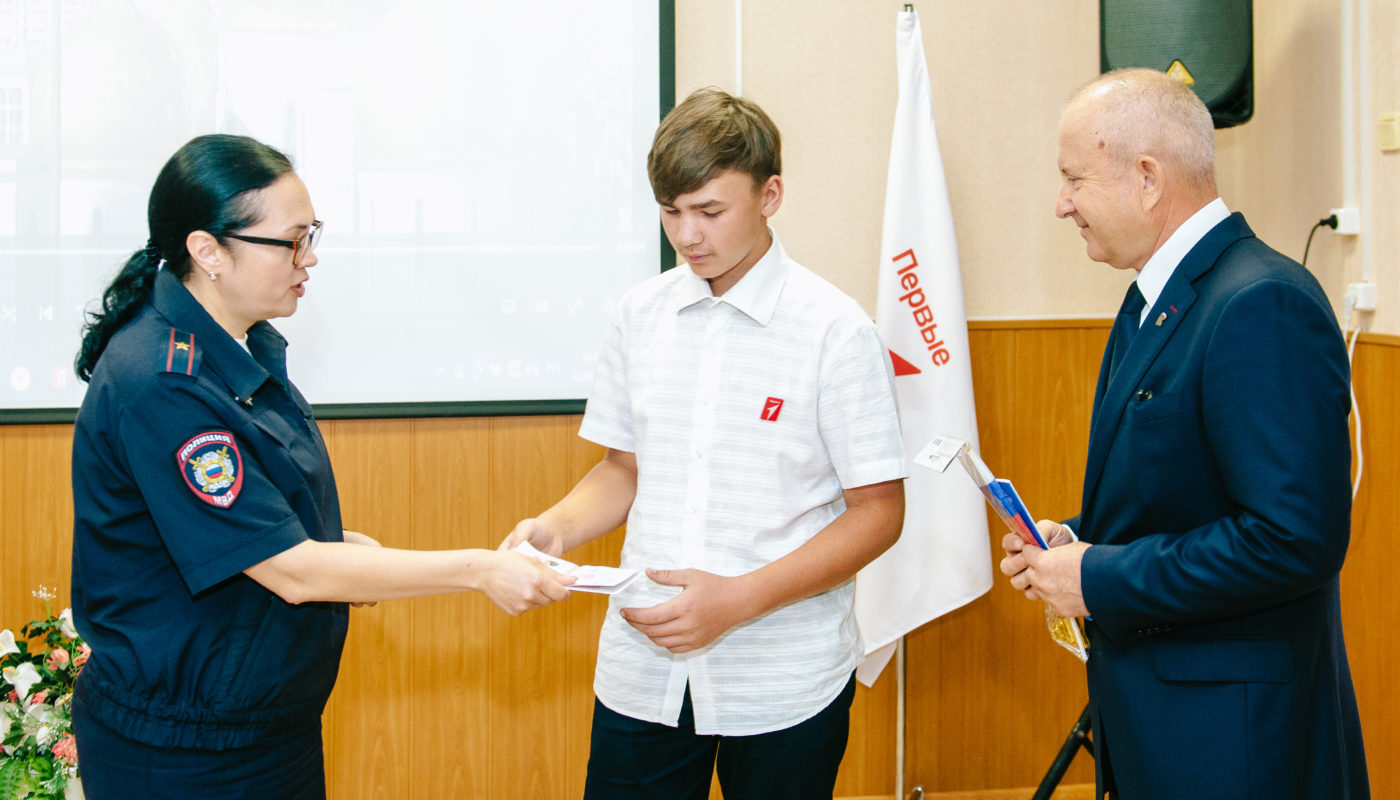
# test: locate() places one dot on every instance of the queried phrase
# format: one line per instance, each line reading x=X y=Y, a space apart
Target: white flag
x=943 y=559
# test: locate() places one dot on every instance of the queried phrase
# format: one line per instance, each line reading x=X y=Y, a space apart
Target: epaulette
x=180 y=353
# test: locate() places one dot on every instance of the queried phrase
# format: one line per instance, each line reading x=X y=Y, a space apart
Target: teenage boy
x=754 y=453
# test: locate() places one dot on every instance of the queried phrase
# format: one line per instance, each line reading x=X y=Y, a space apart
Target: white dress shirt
x=748 y=414
x=1153 y=276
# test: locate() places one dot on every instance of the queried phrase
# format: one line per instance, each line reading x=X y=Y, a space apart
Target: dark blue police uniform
x=192 y=461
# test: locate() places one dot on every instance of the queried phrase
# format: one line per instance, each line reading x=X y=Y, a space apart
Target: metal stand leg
x=1078 y=737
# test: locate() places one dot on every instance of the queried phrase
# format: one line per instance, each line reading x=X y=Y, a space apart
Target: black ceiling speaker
x=1206 y=44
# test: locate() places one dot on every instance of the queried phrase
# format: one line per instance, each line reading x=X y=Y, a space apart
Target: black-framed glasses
x=300 y=247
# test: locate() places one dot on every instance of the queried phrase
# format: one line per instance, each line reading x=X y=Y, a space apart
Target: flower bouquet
x=37 y=755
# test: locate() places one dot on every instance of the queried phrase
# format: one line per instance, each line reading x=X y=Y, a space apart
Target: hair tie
x=153 y=255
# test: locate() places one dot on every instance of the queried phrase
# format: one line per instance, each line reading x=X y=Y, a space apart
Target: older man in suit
x=1216 y=507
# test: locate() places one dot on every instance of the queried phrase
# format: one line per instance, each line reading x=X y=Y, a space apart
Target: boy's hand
x=708 y=606
x=534 y=531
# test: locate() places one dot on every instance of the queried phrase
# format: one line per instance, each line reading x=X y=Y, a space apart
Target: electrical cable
x=1356 y=415
x=1330 y=222
x=1350 y=334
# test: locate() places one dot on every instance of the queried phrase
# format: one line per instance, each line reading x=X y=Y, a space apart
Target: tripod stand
x=1078 y=737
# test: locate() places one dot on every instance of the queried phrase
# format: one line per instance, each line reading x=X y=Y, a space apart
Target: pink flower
x=57 y=659
x=38 y=697
x=83 y=652
x=66 y=750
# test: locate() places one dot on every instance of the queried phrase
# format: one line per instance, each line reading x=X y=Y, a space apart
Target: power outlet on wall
x=1348 y=221
x=1362 y=296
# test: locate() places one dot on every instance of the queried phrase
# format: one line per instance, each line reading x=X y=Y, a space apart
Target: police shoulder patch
x=178 y=353
x=212 y=467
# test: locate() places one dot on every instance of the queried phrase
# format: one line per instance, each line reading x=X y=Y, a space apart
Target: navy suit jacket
x=1217 y=498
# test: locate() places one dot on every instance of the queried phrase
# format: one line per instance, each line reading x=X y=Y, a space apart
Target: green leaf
x=41 y=768
x=14 y=778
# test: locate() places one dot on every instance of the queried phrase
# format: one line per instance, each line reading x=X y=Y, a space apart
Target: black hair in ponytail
x=205 y=186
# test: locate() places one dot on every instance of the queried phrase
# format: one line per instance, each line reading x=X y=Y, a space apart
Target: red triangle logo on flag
x=902 y=367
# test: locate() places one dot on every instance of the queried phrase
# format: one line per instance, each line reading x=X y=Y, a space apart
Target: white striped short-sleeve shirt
x=748 y=414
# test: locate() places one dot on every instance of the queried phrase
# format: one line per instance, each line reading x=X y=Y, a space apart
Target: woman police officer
x=210 y=570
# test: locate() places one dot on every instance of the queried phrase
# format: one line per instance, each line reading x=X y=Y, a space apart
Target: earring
x=212 y=276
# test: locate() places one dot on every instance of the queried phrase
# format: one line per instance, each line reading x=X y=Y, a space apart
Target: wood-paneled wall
x=449 y=698
x=990 y=697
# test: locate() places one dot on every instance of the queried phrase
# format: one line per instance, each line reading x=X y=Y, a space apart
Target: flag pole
x=899 y=714
x=899 y=711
